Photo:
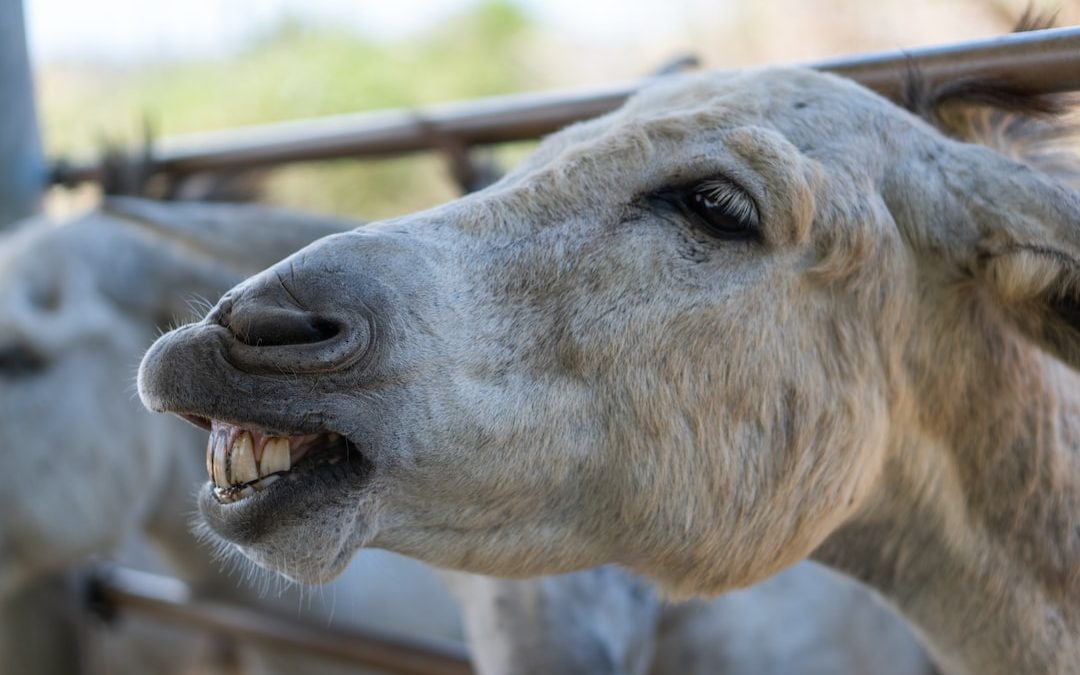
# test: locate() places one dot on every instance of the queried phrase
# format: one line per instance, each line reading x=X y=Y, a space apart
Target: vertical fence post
x=22 y=164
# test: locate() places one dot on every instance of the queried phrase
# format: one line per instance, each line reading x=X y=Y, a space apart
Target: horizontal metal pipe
x=1043 y=62
x=1046 y=61
x=166 y=599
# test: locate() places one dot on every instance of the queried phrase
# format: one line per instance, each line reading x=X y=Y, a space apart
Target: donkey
x=747 y=319
x=606 y=621
x=79 y=301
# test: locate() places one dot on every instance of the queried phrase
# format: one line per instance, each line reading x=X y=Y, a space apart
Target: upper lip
x=197 y=420
x=205 y=421
x=187 y=373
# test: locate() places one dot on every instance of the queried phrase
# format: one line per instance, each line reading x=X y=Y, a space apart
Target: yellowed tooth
x=275 y=456
x=210 y=455
x=220 y=477
x=242 y=460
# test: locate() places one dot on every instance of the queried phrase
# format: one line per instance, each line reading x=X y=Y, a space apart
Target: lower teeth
x=235 y=493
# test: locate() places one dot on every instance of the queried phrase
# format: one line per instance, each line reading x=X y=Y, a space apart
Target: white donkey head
x=697 y=336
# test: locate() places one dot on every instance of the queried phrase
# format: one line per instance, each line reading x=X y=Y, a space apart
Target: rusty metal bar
x=1045 y=61
x=170 y=600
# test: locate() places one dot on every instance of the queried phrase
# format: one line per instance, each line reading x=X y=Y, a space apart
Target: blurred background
x=109 y=70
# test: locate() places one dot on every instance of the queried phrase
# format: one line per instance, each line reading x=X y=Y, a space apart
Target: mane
x=1037 y=129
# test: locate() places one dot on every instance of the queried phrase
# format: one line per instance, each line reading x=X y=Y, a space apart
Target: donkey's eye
x=718 y=206
x=723 y=209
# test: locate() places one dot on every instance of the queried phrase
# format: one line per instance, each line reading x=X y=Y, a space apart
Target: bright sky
x=124 y=30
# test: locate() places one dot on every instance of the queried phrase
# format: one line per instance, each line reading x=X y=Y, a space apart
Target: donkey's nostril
x=274 y=331
x=277 y=327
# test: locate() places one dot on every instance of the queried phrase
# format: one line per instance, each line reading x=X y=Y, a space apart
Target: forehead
x=750 y=95
x=829 y=118
x=805 y=146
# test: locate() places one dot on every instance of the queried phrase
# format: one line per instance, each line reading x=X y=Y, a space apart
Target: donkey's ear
x=1039 y=285
x=1028 y=255
x=1020 y=198
x=248 y=237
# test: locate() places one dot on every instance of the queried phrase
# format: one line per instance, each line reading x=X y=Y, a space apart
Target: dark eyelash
x=729 y=197
x=717 y=205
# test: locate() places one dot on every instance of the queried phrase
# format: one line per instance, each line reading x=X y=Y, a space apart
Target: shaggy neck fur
x=973 y=531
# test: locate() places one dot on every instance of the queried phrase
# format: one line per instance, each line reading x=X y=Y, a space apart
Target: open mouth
x=242 y=461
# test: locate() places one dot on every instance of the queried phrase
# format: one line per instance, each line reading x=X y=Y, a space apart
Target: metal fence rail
x=1045 y=61
x=118 y=589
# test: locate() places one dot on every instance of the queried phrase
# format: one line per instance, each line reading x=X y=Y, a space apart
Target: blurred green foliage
x=299 y=70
